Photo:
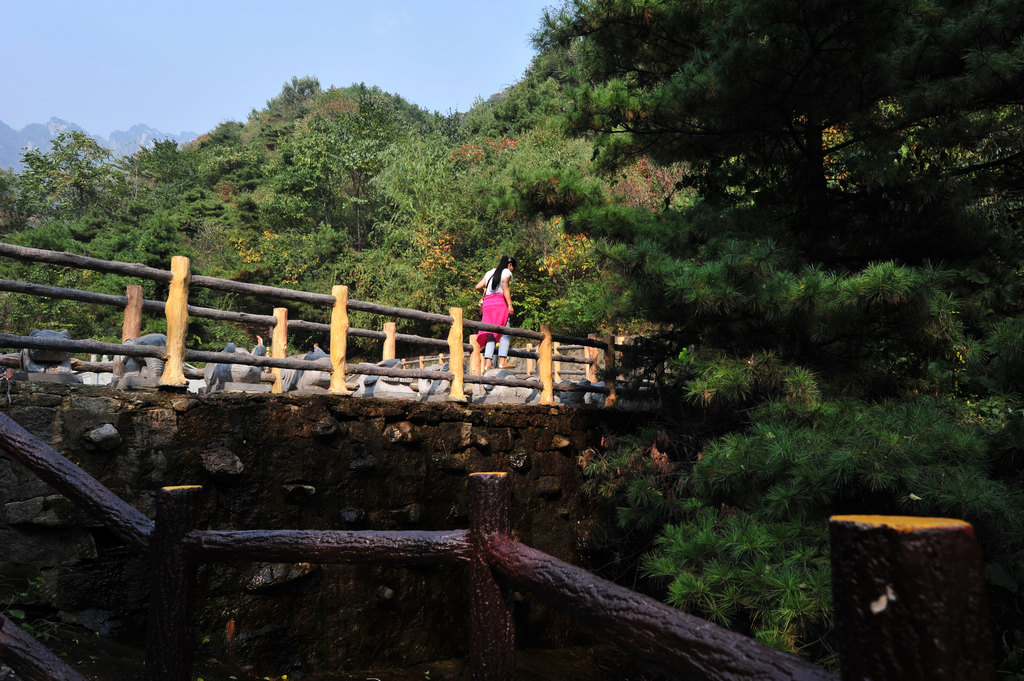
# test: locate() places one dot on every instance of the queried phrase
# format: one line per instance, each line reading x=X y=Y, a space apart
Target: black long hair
x=503 y=264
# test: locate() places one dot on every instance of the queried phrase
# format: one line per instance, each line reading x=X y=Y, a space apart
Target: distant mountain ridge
x=39 y=135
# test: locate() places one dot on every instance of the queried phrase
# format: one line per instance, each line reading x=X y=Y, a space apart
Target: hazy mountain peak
x=39 y=135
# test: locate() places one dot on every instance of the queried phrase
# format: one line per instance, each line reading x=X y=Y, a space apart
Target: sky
x=187 y=66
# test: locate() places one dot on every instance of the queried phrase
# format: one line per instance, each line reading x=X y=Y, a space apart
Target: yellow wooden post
x=610 y=372
x=421 y=361
x=529 y=360
x=279 y=344
x=176 y=310
x=456 y=393
x=389 y=341
x=557 y=366
x=544 y=367
x=621 y=341
x=592 y=356
x=339 y=339
x=476 y=362
x=132 y=325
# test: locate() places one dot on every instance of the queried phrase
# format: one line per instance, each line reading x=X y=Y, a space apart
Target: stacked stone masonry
x=297 y=462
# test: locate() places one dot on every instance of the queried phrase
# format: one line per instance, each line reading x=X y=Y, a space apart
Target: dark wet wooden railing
x=177 y=311
x=909 y=593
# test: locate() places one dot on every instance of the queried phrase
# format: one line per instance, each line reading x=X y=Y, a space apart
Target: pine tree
x=838 y=273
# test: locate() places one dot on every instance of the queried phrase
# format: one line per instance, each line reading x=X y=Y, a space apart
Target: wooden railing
x=909 y=592
x=177 y=312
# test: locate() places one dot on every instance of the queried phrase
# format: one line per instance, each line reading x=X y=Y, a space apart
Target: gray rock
x=47 y=511
x=519 y=460
x=403 y=432
x=104 y=438
x=295 y=493
x=222 y=464
x=135 y=371
x=219 y=376
x=353 y=518
x=266 y=575
x=102 y=622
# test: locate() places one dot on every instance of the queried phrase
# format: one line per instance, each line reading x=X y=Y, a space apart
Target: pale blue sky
x=188 y=65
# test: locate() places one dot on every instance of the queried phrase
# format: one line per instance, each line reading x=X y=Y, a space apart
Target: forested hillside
x=817 y=215
x=319 y=187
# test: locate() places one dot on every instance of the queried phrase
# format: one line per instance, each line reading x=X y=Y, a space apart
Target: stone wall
x=295 y=462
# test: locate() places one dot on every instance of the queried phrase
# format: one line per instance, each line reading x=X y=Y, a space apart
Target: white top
x=506 y=276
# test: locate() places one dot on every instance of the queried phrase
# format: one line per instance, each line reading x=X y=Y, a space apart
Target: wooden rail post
x=339 y=340
x=909 y=597
x=475 y=359
x=529 y=360
x=132 y=325
x=592 y=356
x=544 y=367
x=556 y=366
x=279 y=345
x=389 y=341
x=492 y=642
x=169 y=638
x=455 y=365
x=176 y=311
x=610 y=372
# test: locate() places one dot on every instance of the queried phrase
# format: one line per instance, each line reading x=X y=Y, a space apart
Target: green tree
x=12 y=215
x=75 y=176
x=844 y=234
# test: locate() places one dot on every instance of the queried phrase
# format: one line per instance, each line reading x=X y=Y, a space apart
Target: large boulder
x=386 y=386
x=303 y=379
x=218 y=376
x=56 y=364
x=140 y=369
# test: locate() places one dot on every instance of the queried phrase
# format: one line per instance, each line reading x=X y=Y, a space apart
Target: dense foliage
x=813 y=208
x=837 y=277
x=321 y=187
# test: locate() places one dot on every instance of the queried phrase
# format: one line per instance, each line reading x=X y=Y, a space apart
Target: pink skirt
x=494 y=311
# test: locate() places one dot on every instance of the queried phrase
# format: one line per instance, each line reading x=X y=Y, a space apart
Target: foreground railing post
x=279 y=345
x=169 y=638
x=529 y=360
x=909 y=596
x=176 y=311
x=544 y=367
x=457 y=361
x=492 y=645
x=339 y=339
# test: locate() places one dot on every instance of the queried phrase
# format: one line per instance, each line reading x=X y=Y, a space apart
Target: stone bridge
x=298 y=462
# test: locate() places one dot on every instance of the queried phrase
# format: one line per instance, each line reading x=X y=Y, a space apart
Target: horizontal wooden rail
x=98 y=347
x=216 y=283
x=667 y=639
x=157 y=307
x=83 y=262
x=331 y=546
x=178 y=312
x=74 y=483
x=8 y=340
